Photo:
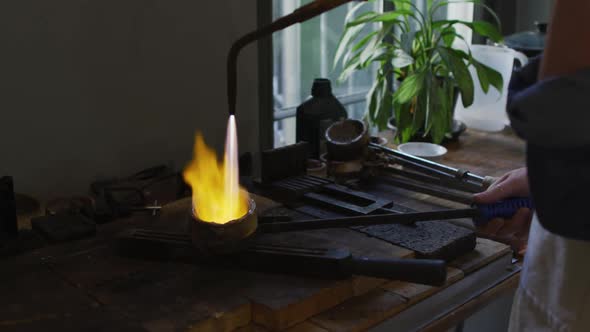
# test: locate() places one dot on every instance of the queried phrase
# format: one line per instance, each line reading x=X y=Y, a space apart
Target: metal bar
x=348 y=99
x=429 y=190
x=380 y=219
x=302 y=14
x=265 y=74
x=291 y=185
x=443 y=168
x=422 y=168
x=446 y=182
x=339 y=204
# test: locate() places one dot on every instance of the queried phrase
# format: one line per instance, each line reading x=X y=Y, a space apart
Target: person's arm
x=553 y=116
x=568 y=43
x=554 y=112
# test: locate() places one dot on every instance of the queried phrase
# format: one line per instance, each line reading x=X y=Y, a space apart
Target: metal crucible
x=347 y=140
x=212 y=238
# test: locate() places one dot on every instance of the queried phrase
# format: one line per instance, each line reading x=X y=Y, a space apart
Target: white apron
x=554 y=292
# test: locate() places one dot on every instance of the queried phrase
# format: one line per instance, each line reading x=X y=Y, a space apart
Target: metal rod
x=424 y=162
x=344 y=99
x=302 y=14
x=422 y=168
x=372 y=220
x=429 y=189
x=464 y=186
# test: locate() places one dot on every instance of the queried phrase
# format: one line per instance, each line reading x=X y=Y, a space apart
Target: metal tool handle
x=370 y=220
x=502 y=209
x=421 y=271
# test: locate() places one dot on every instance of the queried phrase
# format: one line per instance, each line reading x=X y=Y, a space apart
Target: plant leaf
x=365 y=18
x=347 y=37
x=482 y=74
x=364 y=41
x=421 y=112
x=384 y=112
x=375 y=97
x=353 y=11
x=349 y=68
x=454 y=59
x=495 y=79
x=410 y=87
x=402 y=4
x=475 y=2
x=401 y=59
x=381 y=54
x=448 y=36
x=487 y=29
x=375 y=44
x=483 y=28
x=403 y=121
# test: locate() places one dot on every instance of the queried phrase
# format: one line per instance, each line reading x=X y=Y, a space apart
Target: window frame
x=268 y=114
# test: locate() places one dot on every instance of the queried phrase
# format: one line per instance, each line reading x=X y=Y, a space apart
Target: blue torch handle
x=503 y=209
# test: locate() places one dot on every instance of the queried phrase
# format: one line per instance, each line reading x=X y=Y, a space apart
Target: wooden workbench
x=86 y=285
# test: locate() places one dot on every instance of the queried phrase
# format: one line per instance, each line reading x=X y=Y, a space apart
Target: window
x=305 y=51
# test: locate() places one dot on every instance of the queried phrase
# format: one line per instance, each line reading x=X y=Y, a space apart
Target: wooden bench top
x=86 y=284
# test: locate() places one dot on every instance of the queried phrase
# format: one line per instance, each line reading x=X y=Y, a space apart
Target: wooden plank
x=362 y=285
x=280 y=301
x=199 y=300
x=482 y=153
x=361 y=312
x=34 y=298
x=458 y=315
x=93 y=268
x=156 y=295
x=475 y=151
x=100 y=270
x=252 y=327
x=417 y=292
x=306 y=326
x=485 y=252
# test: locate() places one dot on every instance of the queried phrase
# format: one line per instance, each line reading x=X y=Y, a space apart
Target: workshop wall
x=529 y=11
x=100 y=88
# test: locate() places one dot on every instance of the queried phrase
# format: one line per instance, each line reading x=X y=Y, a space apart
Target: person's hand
x=513 y=231
x=512 y=184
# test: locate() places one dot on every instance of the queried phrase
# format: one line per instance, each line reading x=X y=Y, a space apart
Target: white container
x=423 y=150
x=488 y=111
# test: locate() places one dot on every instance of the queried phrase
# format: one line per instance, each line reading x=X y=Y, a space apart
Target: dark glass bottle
x=316 y=114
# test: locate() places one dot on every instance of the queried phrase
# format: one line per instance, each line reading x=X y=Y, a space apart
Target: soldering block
x=428 y=239
x=62 y=228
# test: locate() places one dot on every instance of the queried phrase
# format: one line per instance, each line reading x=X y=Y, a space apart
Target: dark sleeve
x=553 y=116
x=554 y=112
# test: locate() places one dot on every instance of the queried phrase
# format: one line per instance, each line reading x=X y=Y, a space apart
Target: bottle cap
x=321 y=88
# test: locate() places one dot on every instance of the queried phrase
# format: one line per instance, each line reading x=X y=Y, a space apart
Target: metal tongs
x=459 y=185
x=429 y=177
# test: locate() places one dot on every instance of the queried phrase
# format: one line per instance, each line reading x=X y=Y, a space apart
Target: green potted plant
x=413 y=49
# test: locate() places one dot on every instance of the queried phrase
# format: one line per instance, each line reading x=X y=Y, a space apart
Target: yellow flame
x=217 y=195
